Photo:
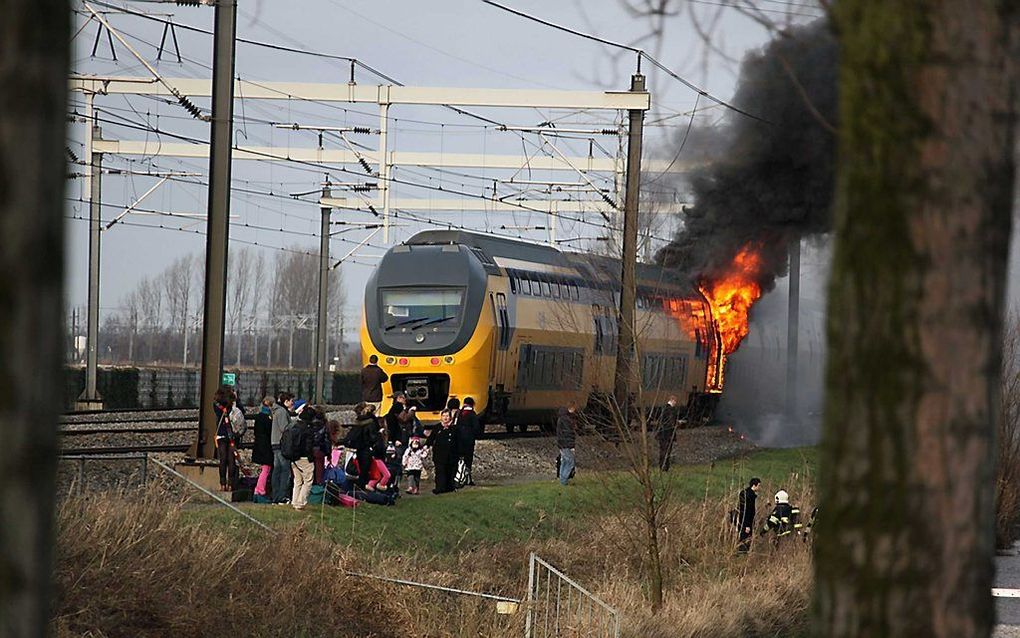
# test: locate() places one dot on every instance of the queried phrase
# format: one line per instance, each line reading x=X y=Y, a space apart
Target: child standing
x=414 y=460
x=393 y=465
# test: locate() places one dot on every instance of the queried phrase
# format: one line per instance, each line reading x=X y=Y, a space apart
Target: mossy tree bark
x=928 y=96
x=34 y=38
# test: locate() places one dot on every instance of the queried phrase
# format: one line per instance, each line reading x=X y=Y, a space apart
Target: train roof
x=591 y=266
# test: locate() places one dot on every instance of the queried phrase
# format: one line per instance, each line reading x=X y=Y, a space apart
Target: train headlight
x=448 y=360
x=390 y=361
x=418 y=338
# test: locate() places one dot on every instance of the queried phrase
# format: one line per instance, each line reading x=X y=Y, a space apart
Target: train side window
x=573 y=292
x=513 y=284
x=555 y=291
x=525 y=286
x=545 y=289
x=534 y=287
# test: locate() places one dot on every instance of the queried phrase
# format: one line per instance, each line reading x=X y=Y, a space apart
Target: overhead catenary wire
x=640 y=52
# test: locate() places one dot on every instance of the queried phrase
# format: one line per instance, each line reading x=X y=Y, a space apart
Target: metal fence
x=558 y=606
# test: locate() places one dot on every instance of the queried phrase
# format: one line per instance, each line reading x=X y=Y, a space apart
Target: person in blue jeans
x=282 y=478
x=566 y=439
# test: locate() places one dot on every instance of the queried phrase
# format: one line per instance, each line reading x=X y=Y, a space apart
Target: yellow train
x=526 y=328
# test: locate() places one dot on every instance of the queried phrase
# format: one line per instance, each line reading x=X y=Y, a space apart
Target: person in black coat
x=469 y=426
x=361 y=438
x=395 y=419
x=745 y=514
x=443 y=442
x=665 y=433
x=262 y=450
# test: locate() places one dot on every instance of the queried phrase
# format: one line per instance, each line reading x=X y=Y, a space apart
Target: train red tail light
x=434 y=361
x=402 y=361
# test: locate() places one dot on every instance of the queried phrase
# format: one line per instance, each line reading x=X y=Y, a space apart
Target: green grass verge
x=489 y=515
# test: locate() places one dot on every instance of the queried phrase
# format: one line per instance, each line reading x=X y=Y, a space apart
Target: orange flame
x=732 y=296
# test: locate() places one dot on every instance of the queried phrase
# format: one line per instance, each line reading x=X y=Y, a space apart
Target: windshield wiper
x=404 y=323
x=432 y=321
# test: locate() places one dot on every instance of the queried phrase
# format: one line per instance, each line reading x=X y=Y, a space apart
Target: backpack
x=292 y=443
x=238 y=424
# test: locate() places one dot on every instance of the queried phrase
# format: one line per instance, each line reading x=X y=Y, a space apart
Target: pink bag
x=349 y=501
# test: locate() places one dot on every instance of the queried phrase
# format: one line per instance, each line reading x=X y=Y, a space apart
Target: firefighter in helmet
x=784 y=521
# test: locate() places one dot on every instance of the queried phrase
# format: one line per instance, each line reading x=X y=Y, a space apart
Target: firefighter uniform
x=784 y=521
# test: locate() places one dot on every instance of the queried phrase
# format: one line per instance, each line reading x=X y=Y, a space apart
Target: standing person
x=223 y=404
x=443 y=442
x=665 y=434
x=745 y=514
x=320 y=443
x=283 y=480
x=414 y=462
x=372 y=378
x=566 y=439
x=468 y=428
x=303 y=466
x=262 y=451
x=361 y=438
x=395 y=418
x=784 y=520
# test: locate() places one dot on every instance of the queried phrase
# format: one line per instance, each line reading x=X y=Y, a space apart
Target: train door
x=502 y=340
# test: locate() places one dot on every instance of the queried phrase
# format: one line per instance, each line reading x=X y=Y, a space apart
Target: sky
x=452 y=43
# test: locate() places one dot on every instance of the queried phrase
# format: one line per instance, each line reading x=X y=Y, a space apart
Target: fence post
x=145 y=467
x=531 y=596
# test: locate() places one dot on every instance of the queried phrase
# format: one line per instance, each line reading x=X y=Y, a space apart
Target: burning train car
x=526 y=328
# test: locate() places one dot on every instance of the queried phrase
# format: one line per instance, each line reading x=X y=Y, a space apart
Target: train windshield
x=416 y=308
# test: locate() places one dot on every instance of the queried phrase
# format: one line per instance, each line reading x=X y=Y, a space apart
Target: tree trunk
x=34 y=38
x=924 y=192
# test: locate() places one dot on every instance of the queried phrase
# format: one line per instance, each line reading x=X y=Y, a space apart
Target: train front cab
x=427 y=318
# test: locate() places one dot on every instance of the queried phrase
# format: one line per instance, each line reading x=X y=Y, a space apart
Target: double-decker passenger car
x=525 y=328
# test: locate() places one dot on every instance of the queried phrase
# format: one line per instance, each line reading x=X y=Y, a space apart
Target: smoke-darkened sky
x=767 y=182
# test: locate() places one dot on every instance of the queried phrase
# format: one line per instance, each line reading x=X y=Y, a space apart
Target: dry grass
x=133 y=567
x=140 y=568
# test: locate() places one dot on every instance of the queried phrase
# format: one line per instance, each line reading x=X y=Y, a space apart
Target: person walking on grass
x=566 y=440
x=372 y=378
x=443 y=443
x=744 y=514
x=262 y=450
x=669 y=421
x=282 y=480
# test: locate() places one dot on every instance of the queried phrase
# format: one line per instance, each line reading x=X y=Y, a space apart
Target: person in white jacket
x=413 y=462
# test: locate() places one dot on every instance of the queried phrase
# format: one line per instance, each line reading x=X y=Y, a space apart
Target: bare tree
x=34 y=37
x=241 y=264
x=178 y=280
x=150 y=299
x=295 y=297
x=260 y=303
x=928 y=101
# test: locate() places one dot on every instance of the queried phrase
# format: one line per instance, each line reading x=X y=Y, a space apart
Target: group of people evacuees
x=783 y=521
x=300 y=452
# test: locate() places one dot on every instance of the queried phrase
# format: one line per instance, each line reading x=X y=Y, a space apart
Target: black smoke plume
x=765 y=183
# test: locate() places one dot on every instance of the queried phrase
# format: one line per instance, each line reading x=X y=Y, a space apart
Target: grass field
x=133 y=564
x=431 y=525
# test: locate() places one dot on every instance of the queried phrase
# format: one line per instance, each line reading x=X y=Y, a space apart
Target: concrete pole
x=217 y=223
x=625 y=365
x=90 y=398
x=792 y=328
x=321 y=326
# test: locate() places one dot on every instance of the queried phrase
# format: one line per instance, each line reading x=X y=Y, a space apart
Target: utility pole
x=217 y=223
x=384 y=160
x=90 y=399
x=625 y=364
x=321 y=328
x=792 y=327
